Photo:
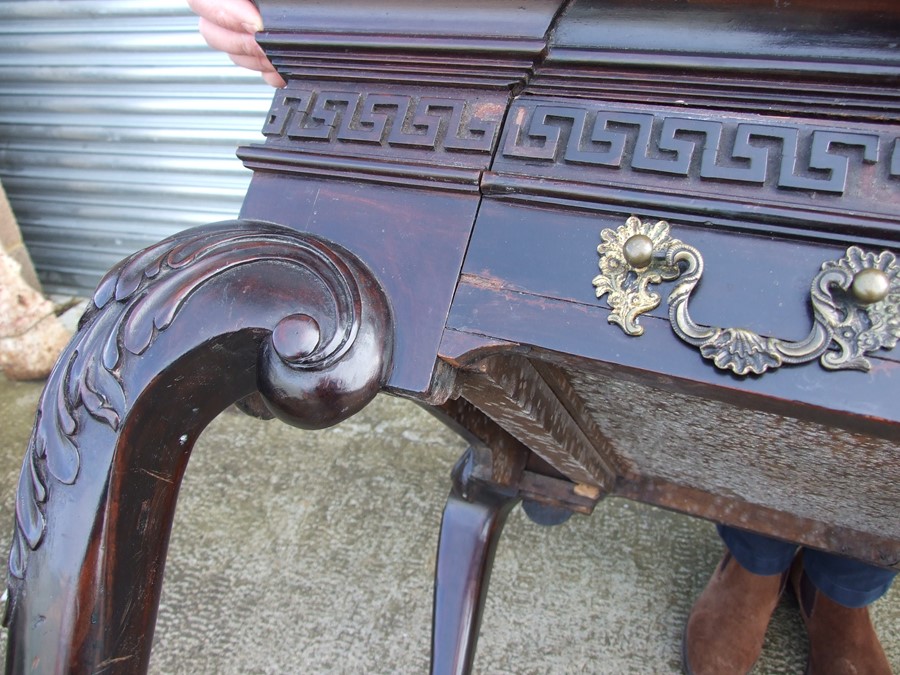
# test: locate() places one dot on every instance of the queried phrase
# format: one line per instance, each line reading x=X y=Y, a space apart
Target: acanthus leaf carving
x=143 y=296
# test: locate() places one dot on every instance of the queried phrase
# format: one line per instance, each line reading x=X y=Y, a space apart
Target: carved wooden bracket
x=176 y=333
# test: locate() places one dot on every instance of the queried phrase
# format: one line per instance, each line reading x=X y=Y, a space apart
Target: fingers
x=236 y=15
x=230 y=26
x=261 y=64
x=274 y=79
x=229 y=41
x=251 y=62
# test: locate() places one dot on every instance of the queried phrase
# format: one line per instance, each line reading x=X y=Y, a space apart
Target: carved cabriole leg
x=178 y=332
x=492 y=476
x=470 y=530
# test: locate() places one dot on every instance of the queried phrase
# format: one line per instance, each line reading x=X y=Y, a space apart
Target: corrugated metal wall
x=118 y=127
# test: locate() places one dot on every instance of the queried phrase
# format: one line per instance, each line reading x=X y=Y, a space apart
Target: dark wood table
x=642 y=249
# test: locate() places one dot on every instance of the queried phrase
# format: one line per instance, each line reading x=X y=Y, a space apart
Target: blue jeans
x=846 y=581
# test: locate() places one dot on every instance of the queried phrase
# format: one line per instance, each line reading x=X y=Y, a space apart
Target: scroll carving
x=141 y=298
x=855 y=302
x=175 y=334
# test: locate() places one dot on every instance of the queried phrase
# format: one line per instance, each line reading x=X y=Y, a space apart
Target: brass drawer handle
x=855 y=300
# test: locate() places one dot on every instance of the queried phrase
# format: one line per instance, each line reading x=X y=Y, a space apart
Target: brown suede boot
x=725 y=630
x=842 y=640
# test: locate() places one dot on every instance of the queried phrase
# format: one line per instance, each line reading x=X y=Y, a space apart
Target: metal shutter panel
x=118 y=127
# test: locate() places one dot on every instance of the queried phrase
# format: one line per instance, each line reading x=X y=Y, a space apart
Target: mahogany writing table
x=635 y=249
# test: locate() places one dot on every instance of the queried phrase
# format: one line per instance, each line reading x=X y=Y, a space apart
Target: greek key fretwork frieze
x=347 y=118
x=599 y=142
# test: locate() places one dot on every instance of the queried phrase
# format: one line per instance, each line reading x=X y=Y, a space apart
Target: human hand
x=230 y=26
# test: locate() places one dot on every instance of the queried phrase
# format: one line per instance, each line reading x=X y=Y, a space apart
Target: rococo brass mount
x=855 y=302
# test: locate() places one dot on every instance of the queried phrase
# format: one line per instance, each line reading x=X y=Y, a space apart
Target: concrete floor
x=313 y=552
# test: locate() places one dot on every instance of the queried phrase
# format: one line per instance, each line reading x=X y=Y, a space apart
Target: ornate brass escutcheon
x=855 y=302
